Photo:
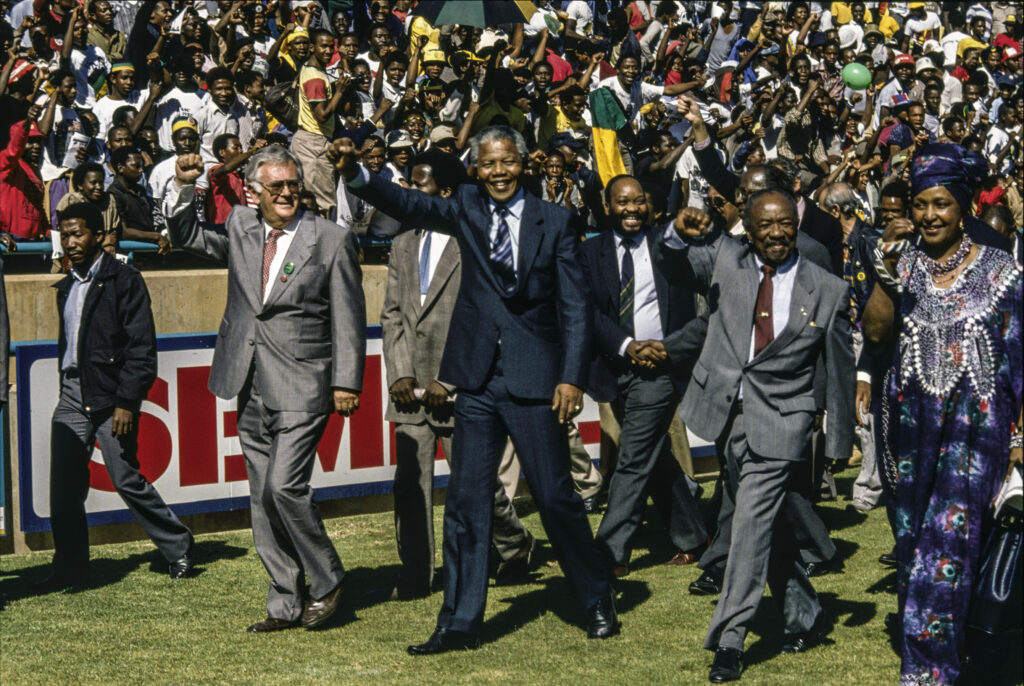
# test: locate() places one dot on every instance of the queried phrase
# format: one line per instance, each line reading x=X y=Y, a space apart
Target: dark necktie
x=626 y=286
x=425 y=264
x=764 y=327
x=269 y=251
x=501 y=252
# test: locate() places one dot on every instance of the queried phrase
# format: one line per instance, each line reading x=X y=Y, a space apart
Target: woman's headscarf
x=949 y=165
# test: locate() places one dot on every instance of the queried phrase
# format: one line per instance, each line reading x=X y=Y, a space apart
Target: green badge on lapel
x=289 y=268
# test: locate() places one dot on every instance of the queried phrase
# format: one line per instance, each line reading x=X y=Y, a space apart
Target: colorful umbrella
x=482 y=13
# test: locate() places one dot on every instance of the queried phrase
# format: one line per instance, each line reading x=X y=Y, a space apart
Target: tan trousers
x=586 y=478
x=317 y=170
x=610 y=441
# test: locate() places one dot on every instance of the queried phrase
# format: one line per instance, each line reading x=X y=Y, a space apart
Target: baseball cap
x=441 y=133
x=1010 y=19
x=1010 y=53
x=21 y=69
x=431 y=85
x=899 y=101
x=1005 y=80
x=33 y=131
x=873 y=29
x=923 y=64
x=399 y=138
x=903 y=58
x=184 y=123
x=916 y=5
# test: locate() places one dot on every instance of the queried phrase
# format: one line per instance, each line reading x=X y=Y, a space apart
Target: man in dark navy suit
x=639 y=318
x=518 y=352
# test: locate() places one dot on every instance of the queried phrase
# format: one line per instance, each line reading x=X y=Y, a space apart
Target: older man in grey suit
x=424 y=274
x=291 y=347
x=753 y=390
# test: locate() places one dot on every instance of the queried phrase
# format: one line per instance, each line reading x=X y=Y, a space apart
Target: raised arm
x=184 y=226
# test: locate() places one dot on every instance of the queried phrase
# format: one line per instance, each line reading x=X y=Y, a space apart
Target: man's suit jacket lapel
x=442 y=273
x=251 y=271
x=661 y=285
x=530 y=235
x=610 y=279
x=741 y=315
x=803 y=288
x=298 y=254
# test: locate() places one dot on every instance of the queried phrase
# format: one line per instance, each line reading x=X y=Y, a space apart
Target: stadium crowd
x=848 y=172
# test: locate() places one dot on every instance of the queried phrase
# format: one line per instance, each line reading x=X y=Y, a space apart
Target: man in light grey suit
x=291 y=347
x=424 y=273
x=753 y=390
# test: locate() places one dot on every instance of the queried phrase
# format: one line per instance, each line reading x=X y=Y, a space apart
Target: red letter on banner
x=367 y=424
x=197 y=428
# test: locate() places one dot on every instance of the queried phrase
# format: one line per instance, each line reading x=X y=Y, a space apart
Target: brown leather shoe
x=620 y=571
x=681 y=558
x=271 y=624
x=316 y=612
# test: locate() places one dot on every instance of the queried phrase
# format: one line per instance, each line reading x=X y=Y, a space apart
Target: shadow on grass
x=836 y=518
x=17 y=583
x=887 y=584
x=557 y=597
x=767 y=624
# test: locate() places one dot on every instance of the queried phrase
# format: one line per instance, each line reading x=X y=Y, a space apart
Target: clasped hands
x=646 y=354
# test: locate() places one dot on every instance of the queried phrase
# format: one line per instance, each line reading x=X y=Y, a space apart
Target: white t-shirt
x=87 y=65
x=648 y=93
x=105 y=107
x=176 y=103
x=580 y=11
x=920 y=30
x=688 y=168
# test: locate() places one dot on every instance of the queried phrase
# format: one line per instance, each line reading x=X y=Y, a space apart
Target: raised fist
x=187 y=169
x=692 y=223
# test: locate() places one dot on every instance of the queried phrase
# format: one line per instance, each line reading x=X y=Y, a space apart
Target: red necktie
x=764 y=327
x=269 y=250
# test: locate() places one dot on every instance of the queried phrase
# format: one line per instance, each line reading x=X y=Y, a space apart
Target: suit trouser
x=483 y=420
x=867 y=489
x=586 y=478
x=280 y=449
x=415 y=449
x=812 y=536
x=644 y=409
x=760 y=550
x=74 y=431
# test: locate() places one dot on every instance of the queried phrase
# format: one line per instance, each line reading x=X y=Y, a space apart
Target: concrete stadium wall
x=187 y=301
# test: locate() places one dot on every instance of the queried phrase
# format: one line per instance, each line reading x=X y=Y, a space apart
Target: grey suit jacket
x=310 y=335
x=778 y=383
x=415 y=335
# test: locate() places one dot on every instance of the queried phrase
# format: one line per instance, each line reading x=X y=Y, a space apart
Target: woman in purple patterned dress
x=951 y=405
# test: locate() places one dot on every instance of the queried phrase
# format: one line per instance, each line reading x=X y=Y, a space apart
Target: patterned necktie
x=269 y=250
x=626 y=286
x=425 y=263
x=764 y=326
x=501 y=252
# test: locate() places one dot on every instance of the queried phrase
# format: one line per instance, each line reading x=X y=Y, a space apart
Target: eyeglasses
x=277 y=187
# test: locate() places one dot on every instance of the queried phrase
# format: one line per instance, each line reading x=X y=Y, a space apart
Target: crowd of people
x=797 y=226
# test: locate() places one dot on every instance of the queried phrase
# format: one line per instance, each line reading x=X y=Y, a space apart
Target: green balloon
x=856 y=76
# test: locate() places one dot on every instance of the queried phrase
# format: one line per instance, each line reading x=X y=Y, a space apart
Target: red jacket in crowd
x=21 y=191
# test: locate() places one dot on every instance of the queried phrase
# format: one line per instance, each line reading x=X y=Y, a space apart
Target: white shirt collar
x=515 y=205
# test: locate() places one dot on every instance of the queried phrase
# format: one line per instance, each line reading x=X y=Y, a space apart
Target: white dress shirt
x=438 y=242
x=646 y=314
x=284 y=241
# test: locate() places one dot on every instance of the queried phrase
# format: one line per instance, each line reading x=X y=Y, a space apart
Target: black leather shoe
x=727 y=666
x=316 y=612
x=591 y=505
x=602 y=621
x=888 y=559
x=813 y=569
x=519 y=564
x=800 y=643
x=444 y=640
x=709 y=583
x=57 y=579
x=182 y=567
x=270 y=624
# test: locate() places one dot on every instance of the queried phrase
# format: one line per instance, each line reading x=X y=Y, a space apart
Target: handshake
x=646 y=354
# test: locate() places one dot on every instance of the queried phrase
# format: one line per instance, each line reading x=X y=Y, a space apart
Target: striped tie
x=626 y=286
x=425 y=263
x=501 y=252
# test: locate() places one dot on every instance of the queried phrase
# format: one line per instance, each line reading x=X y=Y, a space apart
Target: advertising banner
x=188 y=440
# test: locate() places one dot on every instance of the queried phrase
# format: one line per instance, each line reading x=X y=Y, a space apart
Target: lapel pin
x=289 y=268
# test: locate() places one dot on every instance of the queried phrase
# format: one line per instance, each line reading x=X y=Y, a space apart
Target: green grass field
x=134 y=625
